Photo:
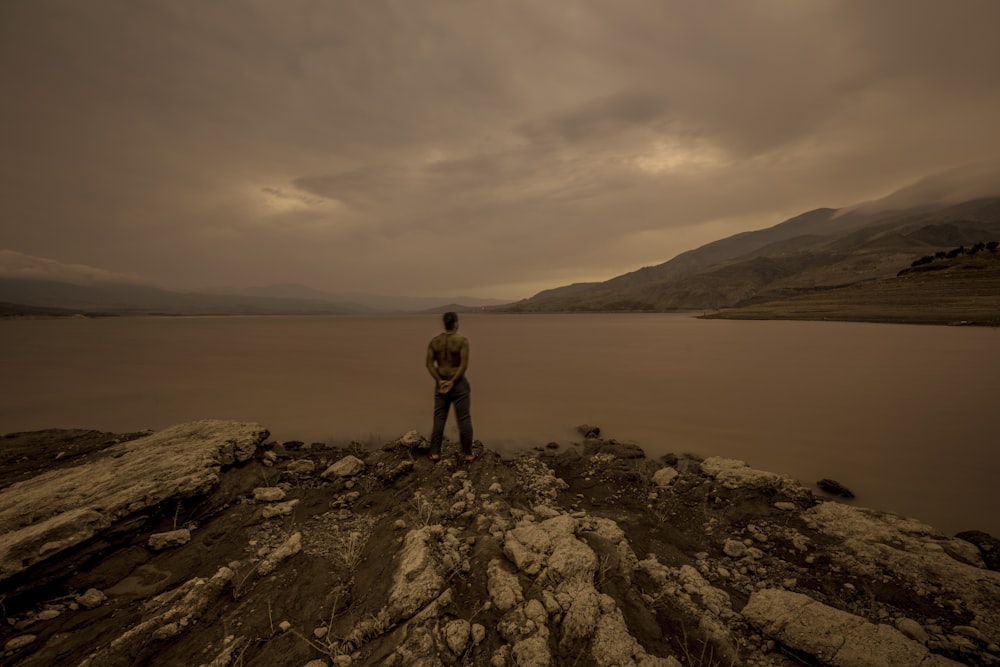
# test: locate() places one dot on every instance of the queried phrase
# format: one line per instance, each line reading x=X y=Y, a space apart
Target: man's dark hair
x=450 y=320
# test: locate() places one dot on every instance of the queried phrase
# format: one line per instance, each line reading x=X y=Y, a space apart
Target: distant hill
x=35 y=297
x=37 y=286
x=818 y=250
x=959 y=291
x=375 y=302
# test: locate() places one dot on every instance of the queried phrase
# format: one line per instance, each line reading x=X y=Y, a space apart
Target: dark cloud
x=349 y=145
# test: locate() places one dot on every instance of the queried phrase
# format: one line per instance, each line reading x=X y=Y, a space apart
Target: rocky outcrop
x=832 y=636
x=57 y=510
x=580 y=554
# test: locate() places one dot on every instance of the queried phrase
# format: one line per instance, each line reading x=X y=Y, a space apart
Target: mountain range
x=819 y=250
x=38 y=286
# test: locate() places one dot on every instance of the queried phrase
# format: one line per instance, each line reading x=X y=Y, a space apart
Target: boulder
x=60 y=509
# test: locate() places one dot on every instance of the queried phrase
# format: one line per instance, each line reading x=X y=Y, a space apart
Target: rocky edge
x=203 y=544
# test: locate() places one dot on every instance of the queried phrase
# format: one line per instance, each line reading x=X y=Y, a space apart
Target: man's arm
x=464 y=351
x=431 y=365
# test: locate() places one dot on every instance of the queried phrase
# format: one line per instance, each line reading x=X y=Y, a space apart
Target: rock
x=412 y=439
x=664 y=477
x=785 y=506
x=301 y=467
x=581 y=614
x=91 y=598
x=279 y=509
x=478 y=634
x=588 y=431
x=989 y=546
x=166 y=616
x=834 y=488
x=912 y=629
x=456 y=635
x=619 y=450
x=316 y=663
x=288 y=548
x=59 y=509
x=48 y=614
x=268 y=494
x=173 y=538
x=970 y=632
x=504 y=587
x=532 y=652
x=417 y=581
x=832 y=636
x=349 y=466
x=19 y=642
x=734 y=549
x=734 y=474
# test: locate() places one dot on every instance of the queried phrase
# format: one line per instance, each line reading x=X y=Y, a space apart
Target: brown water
x=905 y=416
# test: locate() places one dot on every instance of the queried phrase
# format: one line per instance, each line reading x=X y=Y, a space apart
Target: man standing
x=447 y=360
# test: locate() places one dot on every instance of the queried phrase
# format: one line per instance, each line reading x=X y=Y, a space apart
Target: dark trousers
x=461 y=397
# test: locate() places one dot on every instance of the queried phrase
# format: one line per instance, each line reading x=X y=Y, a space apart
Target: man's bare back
x=447 y=357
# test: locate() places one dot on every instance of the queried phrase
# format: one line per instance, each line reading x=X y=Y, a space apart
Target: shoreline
x=285 y=553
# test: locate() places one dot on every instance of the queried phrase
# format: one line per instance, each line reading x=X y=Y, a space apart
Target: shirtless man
x=447 y=359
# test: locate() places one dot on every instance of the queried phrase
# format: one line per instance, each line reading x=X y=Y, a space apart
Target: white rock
x=79 y=501
x=349 y=466
x=456 y=635
x=172 y=538
x=833 y=636
x=279 y=509
x=268 y=494
x=504 y=587
x=411 y=438
x=288 y=548
x=664 y=477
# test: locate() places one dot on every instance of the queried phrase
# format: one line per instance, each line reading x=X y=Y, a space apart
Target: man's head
x=450 y=321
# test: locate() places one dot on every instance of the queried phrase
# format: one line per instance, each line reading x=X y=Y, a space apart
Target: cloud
x=428 y=147
x=27 y=267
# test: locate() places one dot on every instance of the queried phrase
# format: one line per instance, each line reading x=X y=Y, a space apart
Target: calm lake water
x=905 y=416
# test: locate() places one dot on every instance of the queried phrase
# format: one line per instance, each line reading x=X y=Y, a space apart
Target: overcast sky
x=444 y=147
